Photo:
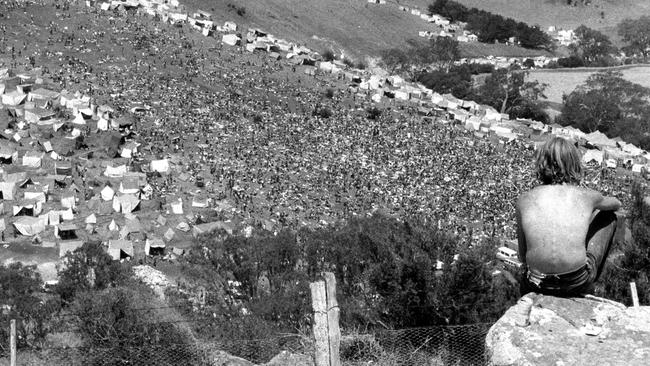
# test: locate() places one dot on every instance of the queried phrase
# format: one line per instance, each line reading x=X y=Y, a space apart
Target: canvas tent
x=154 y=246
x=70 y=246
x=7 y=191
x=125 y=203
x=120 y=249
x=29 y=226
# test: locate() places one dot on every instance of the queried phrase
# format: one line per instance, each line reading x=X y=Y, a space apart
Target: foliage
x=636 y=32
x=492 y=27
x=509 y=92
x=571 y=61
x=438 y=53
x=361 y=65
x=457 y=83
x=21 y=299
x=385 y=270
x=634 y=263
x=593 y=47
x=373 y=112
x=108 y=319
x=348 y=62
x=609 y=104
x=329 y=93
x=86 y=268
x=328 y=55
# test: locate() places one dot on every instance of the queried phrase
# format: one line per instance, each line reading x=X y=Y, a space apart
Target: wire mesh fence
x=445 y=345
x=191 y=353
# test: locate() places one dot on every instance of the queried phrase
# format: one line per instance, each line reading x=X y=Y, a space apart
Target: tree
x=592 y=46
x=86 y=268
x=608 y=103
x=636 y=32
x=395 y=59
x=508 y=91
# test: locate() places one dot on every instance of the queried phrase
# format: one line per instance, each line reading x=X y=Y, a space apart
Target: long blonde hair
x=558 y=161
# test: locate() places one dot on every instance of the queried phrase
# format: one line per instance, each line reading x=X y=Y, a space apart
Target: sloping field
x=564 y=81
x=547 y=13
x=355 y=26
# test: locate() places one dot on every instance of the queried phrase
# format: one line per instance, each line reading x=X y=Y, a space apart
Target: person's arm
x=603 y=203
x=521 y=238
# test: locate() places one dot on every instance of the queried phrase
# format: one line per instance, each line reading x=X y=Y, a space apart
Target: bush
x=348 y=62
x=21 y=294
x=373 y=112
x=328 y=55
x=110 y=319
x=361 y=65
x=329 y=93
x=572 y=61
x=89 y=267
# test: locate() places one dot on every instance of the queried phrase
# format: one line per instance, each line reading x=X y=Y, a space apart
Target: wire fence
x=444 y=345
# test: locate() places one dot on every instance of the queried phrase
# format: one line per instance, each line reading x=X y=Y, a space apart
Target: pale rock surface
x=570 y=331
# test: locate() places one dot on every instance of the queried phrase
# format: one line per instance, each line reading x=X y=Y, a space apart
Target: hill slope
x=556 y=13
x=356 y=26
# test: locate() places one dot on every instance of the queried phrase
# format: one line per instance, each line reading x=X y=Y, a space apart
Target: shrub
x=361 y=65
x=348 y=62
x=329 y=93
x=20 y=292
x=572 y=61
x=328 y=55
x=86 y=268
x=373 y=112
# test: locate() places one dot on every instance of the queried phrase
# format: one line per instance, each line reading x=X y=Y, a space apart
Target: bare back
x=554 y=220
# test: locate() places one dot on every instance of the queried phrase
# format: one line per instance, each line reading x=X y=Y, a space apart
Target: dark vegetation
x=609 y=104
x=491 y=27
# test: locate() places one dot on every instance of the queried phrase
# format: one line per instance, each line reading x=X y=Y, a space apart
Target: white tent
x=177 y=206
x=119 y=249
x=107 y=193
x=592 y=155
x=29 y=226
x=32 y=159
x=154 y=246
x=126 y=203
x=231 y=39
x=115 y=172
x=13 y=98
x=7 y=190
x=69 y=246
x=161 y=166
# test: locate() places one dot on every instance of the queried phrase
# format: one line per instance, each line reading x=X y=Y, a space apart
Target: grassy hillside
x=547 y=13
x=355 y=26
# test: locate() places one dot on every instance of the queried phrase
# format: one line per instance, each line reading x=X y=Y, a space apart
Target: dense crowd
x=244 y=126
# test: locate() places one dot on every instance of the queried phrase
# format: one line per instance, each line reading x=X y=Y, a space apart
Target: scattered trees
x=609 y=104
x=439 y=53
x=593 y=47
x=508 y=91
x=636 y=32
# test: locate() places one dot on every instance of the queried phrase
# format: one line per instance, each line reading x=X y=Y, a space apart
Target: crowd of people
x=245 y=126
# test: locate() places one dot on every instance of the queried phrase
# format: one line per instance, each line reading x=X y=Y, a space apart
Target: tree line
x=491 y=27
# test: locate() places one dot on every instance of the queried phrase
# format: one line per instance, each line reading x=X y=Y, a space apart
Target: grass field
x=564 y=81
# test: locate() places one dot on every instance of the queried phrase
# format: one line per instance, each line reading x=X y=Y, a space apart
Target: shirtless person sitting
x=564 y=231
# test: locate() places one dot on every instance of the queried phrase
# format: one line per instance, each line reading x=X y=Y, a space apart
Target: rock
x=285 y=358
x=570 y=331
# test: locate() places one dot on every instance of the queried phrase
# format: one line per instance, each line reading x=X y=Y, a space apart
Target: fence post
x=635 y=295
x=327 y=334
x=12 y=342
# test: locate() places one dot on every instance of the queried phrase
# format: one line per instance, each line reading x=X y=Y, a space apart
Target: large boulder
x=545 y=330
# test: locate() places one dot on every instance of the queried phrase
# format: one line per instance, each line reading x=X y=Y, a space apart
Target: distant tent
x=70 y=246
x=29 y=226
x=592 y=155
x=126 y=203
x=7 y=191
x=154 y=246
x=120 y=249
x=161 y=166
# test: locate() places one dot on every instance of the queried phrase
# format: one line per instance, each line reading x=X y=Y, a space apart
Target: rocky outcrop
x=544 y=330
x=284 y=358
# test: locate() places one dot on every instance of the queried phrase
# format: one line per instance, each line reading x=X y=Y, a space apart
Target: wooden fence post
x=635 y=295
x=12 y=342
x=326 y=321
